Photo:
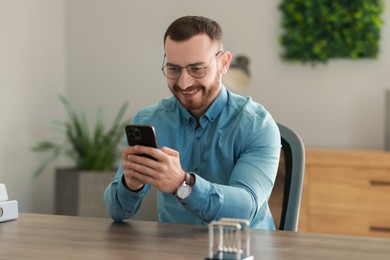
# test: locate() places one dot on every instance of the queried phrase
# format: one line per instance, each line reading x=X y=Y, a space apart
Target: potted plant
x=79 y=189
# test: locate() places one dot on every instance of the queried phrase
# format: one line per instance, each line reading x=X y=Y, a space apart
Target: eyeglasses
x=196 y=71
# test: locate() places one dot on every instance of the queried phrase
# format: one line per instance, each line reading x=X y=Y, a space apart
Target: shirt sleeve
x=122 y=203
x=250 y=184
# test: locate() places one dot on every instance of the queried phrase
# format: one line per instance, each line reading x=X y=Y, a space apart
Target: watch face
x=184 y=191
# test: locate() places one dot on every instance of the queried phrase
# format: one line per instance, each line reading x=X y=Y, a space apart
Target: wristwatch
x=184 y=190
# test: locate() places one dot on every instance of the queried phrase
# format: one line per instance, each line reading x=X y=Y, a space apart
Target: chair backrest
x=285 y=200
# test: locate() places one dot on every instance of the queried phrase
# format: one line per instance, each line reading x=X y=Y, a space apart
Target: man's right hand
x=131 y=182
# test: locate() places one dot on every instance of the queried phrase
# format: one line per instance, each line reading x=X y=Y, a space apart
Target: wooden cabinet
x=346 y=192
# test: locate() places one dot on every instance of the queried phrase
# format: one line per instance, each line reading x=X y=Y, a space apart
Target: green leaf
x=350 y=28
x=95 y=149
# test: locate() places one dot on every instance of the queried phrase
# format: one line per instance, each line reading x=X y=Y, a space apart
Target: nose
x=185 y=80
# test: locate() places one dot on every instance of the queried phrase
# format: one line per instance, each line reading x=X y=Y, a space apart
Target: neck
x=197 y=115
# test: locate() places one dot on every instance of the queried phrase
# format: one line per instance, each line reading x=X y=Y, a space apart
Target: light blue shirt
x=234 y=154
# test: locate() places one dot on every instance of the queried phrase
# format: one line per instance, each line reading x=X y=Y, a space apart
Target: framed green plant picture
x=316 y=30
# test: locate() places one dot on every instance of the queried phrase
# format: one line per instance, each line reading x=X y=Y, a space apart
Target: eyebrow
x=192 y=64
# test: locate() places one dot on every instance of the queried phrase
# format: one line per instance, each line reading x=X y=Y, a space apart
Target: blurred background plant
x=88 y=150
x=316 y=30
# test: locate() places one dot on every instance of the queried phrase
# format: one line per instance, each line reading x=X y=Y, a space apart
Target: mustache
x=176 y=88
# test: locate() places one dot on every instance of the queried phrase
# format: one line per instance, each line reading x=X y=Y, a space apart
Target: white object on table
x=8 y=208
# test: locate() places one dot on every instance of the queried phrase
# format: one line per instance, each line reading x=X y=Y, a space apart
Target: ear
x=225 y=61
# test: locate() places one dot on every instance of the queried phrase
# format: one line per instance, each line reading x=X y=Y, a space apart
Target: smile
x=191 y=92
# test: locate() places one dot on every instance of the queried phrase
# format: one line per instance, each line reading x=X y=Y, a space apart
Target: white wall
x=104 y=52
x=32 y=74
x=115 y=52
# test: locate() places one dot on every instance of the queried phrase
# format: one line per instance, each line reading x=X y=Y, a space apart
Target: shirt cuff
x=202 y=189
x=125 y=192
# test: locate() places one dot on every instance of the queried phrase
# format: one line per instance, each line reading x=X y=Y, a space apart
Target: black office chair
x=285 y=200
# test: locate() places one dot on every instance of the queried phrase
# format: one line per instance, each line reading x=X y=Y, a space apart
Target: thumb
x=170 y=151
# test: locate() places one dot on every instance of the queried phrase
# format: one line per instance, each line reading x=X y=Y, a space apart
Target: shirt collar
x=212 y=113
x=218 y=105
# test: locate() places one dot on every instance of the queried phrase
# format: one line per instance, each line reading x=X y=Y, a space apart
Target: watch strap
x=185 y=185
x=188 y=178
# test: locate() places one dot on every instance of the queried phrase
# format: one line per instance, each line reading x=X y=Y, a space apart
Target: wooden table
x=37 y=236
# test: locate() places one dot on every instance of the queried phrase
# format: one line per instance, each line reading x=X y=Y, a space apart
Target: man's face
x=195 y=94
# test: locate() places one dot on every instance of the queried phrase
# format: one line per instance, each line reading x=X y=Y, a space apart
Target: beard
x=209 y=94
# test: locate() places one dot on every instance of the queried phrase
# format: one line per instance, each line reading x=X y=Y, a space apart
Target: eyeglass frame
x=204 y=67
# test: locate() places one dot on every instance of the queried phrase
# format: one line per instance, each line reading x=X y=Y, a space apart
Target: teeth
x=189 y=92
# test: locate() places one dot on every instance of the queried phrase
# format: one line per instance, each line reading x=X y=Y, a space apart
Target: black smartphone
x=141 y=135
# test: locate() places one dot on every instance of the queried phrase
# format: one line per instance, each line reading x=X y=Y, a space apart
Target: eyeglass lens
x=196 y=71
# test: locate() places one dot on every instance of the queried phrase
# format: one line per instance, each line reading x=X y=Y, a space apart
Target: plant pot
x=80 y=193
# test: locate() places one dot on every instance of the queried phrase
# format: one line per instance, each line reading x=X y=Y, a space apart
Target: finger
x=151 y=151
x=144 y=165
x=132 y=160
x=170 y=151
x=128 y=150
x=124 y=155
x=141 y=177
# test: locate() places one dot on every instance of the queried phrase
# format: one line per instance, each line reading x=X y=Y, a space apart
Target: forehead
x=196 y=49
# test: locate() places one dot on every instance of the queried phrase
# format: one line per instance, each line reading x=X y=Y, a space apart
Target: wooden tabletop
x=38 y=236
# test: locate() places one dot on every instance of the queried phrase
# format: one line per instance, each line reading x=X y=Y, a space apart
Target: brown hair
x=188 y=26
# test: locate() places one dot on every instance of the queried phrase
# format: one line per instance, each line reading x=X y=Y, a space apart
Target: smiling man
x=218 y=152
